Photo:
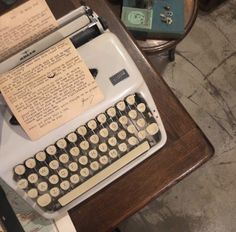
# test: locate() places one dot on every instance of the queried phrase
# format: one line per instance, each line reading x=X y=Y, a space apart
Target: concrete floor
x=203 y=77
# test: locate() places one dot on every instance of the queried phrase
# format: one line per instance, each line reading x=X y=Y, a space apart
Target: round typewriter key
x=72 y=137
x=84 y=145
x=130 y=100
x=73 y=167
x=41 y=156
x=94 y=165
x=54 y=179
x=82 y=131
x=141 y=107
x=33 y=178
x=32 y=193
x=103 y=160
x=30 y=163
x=104 y=132
x=74 y=179
x=142 y=134
x=131 y=129
x=93 y=154
x=111 y=112
x=122 y=135
x=121 y=106
x=102 y=118
x=61 y=143
x=63 y=173
x=92 y=124
x=54 y=164
x=44 y=200
x=133 y=141
x=123 y=120
x=44 y=171
x=112 y=141
x=122 y=147
x=94 y=139
x=83 y=160
x=102 y=147
x=22 y=184
x=74 y=151
x=114 y=126
x=133 y=114
x=54 y=192
x=64 y=158
x=152 y=129
x=51 y=150
x=141 y=122
x=42 y=186
x=84 y=172
x=19 y=169
x=113 y=153
x=65 y=185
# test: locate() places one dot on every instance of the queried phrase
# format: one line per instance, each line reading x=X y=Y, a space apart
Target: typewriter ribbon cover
x=50 y=89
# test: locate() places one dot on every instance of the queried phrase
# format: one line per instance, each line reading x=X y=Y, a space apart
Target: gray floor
x=203 y=77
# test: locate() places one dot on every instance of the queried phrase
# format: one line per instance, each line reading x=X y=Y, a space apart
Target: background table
x=151 y=46
x=186 y=149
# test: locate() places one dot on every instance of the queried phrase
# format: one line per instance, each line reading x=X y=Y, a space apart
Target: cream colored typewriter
x=73 y=162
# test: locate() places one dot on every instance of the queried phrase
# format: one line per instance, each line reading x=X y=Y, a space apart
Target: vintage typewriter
x=73 y=162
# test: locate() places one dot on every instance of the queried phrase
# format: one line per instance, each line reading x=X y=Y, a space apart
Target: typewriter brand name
x=26 y=54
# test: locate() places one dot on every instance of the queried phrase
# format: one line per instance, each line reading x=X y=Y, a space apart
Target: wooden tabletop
x=186 y=149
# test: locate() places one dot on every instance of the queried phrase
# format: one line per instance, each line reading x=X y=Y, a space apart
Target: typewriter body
x=73 y=162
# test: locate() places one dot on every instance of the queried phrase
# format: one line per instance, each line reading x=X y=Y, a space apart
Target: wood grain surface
x=186 y=149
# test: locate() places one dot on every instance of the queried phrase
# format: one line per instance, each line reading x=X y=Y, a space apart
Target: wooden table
x=186 y=149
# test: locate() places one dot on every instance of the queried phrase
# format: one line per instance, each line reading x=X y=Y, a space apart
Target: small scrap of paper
x=50 y=89
x=23 y=25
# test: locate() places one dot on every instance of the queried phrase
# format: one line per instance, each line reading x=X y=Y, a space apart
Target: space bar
x=90 y=183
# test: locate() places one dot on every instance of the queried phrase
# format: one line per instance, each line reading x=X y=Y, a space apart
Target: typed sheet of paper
x=23 y=25
x=50 y=89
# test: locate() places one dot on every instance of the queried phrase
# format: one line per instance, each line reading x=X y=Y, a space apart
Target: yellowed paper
x=50 y=89
x=23 y=25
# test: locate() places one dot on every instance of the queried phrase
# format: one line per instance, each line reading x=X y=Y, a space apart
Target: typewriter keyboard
x=76 y=163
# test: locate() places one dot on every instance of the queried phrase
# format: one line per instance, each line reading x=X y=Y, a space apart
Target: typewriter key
x=54 y=192
x=130 y=100
x=113 y=153
x=32 y=193
x=44 y=200
x=54 y=179
x=94 y=165
x=74 y=151
x=19 y=169
x=82 y=131
x=103 y=132
x=93 y=154
x=83 y=160
x=61 y=143
x=84 y=172
x=103 y=160
x=123 y=120
x=30 y=163
x=102 y=147
x=133 y=114
x=113 y=126
x=152 y=129
x=22 y=184
x=74 y=179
